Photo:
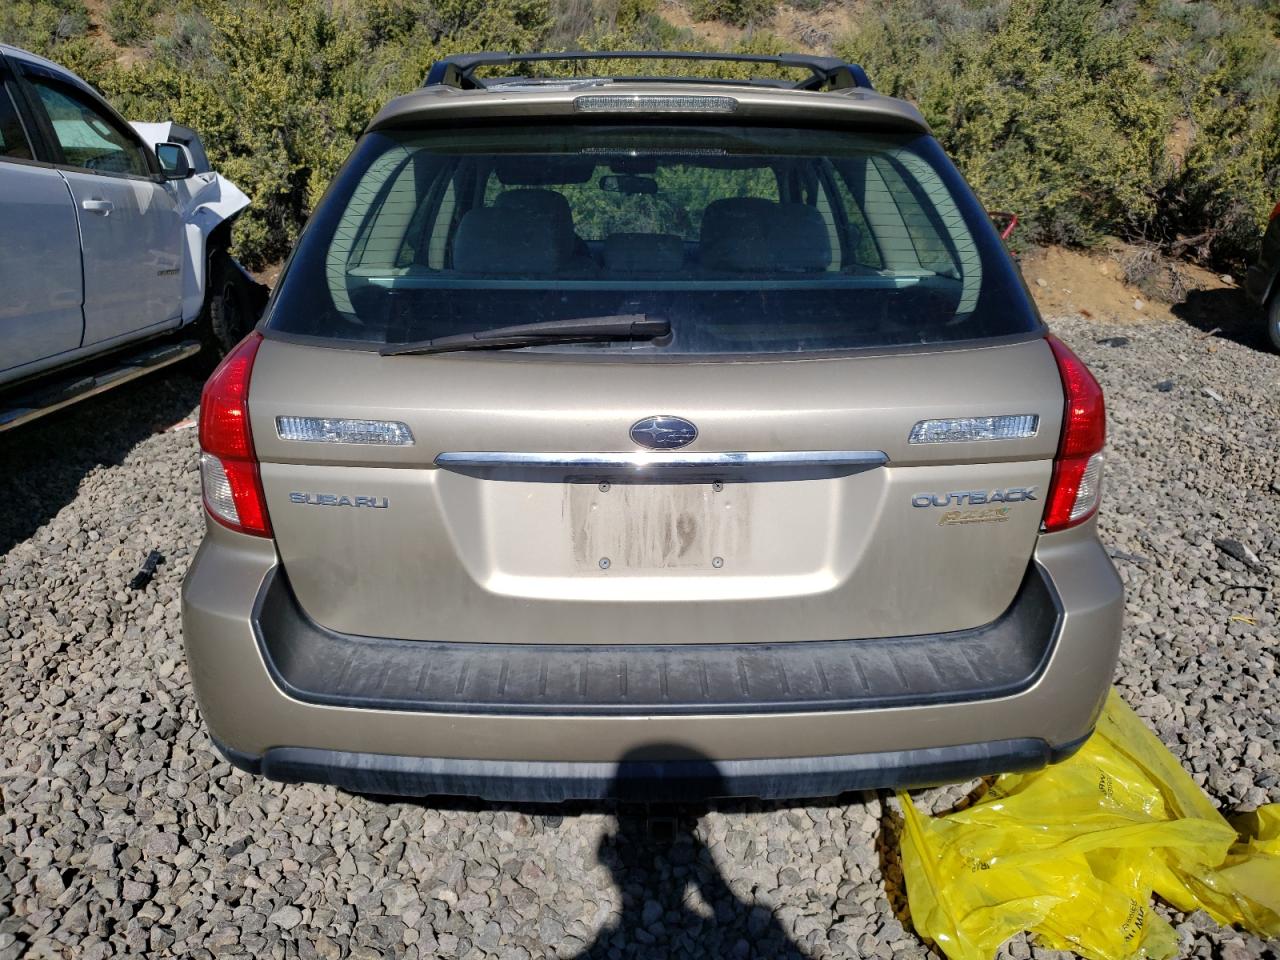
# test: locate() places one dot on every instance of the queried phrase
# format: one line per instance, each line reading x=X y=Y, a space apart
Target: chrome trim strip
x=656 y=466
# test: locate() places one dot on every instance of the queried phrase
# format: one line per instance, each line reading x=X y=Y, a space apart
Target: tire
x=1273 y=320
x=229 y=305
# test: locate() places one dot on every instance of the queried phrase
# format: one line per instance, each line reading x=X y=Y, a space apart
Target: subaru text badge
x=663 y=433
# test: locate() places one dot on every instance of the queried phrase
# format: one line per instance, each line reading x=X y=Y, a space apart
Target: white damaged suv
x=113 y=248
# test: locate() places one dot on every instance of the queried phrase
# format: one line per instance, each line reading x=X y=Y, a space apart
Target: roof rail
x=825 y=73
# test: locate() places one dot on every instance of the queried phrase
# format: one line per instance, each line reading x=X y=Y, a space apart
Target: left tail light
x=1076 y=486
x=229 y=474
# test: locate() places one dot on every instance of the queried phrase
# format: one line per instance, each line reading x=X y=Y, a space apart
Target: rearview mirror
x=623 y=183
x=175 y=161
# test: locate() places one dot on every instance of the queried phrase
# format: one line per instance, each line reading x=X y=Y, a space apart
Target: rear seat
x=750 y=234
x=497 y=241
x=644 y=254
x=555 y=208
x=530 y=232
x=525 y=233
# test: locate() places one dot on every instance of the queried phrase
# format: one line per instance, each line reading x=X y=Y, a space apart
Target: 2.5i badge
x=981 y=515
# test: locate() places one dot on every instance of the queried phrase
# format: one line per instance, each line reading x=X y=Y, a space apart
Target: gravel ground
x=122 y=833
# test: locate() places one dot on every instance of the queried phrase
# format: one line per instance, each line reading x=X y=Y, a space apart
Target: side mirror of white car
x=175 y=161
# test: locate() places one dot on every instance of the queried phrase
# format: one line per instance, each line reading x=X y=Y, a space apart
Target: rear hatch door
x=384 y=541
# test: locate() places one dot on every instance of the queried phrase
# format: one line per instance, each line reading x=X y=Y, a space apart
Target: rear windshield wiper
x=623 y=326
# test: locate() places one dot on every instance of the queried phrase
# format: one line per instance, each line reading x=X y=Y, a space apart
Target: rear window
x=747 y=240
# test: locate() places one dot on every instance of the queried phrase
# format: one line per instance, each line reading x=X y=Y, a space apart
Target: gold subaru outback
x=649 y=437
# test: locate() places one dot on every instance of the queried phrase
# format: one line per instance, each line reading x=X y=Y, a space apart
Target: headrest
x=507 y=241
x=545 y=203
x=751 y=234
x=549 y=206
x=643 y=253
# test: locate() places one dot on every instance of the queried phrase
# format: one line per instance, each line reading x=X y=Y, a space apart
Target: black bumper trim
x=653 y=781
x=320 y=666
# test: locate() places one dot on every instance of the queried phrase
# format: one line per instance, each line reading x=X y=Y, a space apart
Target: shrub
x=129 y=21
x=1063 y=110
x=42 y=25
x=279 y=90
x=740 y=13
x=1157 y=120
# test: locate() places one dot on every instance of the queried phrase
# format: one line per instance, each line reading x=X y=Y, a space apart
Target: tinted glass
x=89 y=138
x=747 y=239
x=13 y=142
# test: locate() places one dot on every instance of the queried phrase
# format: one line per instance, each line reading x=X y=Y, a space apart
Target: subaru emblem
x=663 y=433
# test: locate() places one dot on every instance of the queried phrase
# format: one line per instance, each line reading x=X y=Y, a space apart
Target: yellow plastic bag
x=1074 y=852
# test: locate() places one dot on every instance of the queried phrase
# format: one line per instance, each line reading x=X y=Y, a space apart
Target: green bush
x=1157 y=120
x=740 y=13
x=1047 y=114
x=41 y=25
x=280 y=90
x=1068 y=112
x=53 y=28
x=129 y=21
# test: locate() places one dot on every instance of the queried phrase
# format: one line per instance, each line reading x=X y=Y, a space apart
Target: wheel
x=1273 y=320
x=229 y=305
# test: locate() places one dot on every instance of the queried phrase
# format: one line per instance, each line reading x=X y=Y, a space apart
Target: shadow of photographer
x=675 y=902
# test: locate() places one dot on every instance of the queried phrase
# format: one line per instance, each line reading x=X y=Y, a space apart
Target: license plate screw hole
x=717 y=562
x=604 y=487
x=717 y=485
x=604 y=563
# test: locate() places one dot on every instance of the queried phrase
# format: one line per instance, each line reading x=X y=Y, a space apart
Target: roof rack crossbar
x=825 y=73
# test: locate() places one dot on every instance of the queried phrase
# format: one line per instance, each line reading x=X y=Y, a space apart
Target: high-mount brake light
x=1076 y=486
x=651 y=103
x=229 y=473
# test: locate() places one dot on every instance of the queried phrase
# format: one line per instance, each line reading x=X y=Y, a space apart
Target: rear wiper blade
x=622 y=326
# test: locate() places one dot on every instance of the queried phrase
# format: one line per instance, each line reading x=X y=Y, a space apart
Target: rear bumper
x=286 y=699
x=655 y=781
x=315 y=665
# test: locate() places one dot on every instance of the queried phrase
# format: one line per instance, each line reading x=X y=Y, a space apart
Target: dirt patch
x=713 y=32
x=269 y=274
x=1098 y=283
x=808 y=31
x=123 y=56
x=817 y=31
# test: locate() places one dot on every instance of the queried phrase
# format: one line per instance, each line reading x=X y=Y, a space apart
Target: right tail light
x=1076 y=486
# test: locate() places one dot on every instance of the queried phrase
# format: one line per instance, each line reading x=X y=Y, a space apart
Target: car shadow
x=1225 y=312
x=42 y=463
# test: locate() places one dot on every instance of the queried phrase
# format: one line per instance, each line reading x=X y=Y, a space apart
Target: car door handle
x=103 y=207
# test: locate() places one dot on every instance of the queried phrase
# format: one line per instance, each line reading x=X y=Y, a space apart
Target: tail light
x=1275 y=212
x=1077 y=469
x=229 y=474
